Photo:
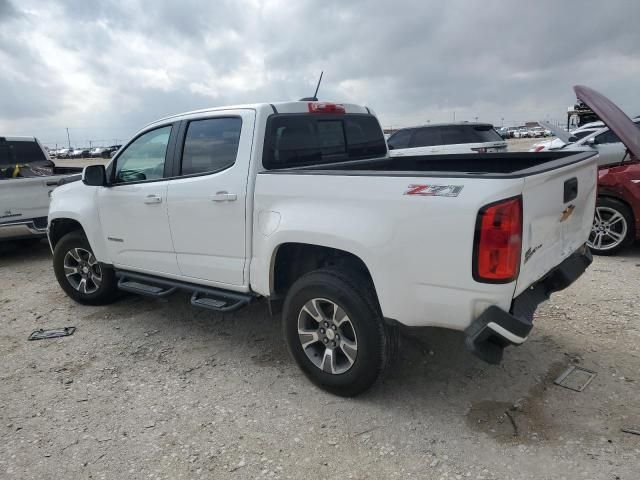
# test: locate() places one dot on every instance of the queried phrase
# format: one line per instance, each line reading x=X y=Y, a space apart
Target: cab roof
x=276 y=107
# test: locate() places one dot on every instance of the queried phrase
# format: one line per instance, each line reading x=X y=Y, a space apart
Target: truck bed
x=489 y=165
x=419 y=246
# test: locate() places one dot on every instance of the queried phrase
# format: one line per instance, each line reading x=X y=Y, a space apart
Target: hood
x=614 y=118
x=557 y=131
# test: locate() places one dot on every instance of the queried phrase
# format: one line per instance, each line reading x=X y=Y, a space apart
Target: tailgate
x=558 y=208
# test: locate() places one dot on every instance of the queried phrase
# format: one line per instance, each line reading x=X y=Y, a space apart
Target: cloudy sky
x=106 y=68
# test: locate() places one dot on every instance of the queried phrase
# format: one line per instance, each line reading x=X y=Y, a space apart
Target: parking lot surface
x=146 y=389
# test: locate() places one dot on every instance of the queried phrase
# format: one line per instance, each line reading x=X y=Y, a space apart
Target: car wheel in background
x=613 y=227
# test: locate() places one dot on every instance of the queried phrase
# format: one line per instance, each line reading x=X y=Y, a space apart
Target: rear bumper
x=496 y=329
x=36 y=227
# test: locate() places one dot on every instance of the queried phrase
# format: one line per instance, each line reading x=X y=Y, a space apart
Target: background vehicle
x=504 y=132
x=63 y=152
x=606 y=142
x=617 y=217
x=112 y=150
x=80 y=153
x=98 y=152
x=521 y=133
x=565 y=138
x=27 y=177
x=298 y=202
x=446 y=138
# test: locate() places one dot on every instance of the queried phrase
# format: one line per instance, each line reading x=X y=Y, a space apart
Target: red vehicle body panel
x=623 y=183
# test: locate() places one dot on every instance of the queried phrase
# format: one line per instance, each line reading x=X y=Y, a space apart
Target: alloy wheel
x=609 y=229
x=82 y=270
x=327 y=336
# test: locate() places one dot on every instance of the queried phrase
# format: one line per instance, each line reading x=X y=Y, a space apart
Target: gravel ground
x=150 y=389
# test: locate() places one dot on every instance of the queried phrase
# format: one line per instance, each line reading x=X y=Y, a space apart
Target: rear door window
x=426 y=137
x=303 y=139
x=607 y=137
x=211 y=145
x=400 y=139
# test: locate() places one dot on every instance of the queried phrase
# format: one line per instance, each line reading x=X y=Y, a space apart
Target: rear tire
x=80 y=275
x=613 y=227
x=336 y=311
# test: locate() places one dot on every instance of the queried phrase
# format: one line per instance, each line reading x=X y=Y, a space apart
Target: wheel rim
x=82 y=270
x=609 y=229
x=327 y=336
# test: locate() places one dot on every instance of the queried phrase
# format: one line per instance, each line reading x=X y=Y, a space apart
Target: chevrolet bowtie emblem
x=566 y=213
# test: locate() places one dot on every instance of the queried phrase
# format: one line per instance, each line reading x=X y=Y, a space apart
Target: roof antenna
x=315 y=95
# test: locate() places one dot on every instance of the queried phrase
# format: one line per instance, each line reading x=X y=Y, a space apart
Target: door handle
x=224 y=197
x=151 y=199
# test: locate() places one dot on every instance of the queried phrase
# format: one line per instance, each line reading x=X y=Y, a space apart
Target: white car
x=521 y=133
x=446 y=138
x=573 y=136
x=608 y=145
x=27 y=178
x=63 y=152
x=300 y=204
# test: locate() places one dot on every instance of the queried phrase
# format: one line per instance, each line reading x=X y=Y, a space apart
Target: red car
x=616 y=223
x=617 y=220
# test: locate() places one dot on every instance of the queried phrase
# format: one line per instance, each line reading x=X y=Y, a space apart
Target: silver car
x=610 y=149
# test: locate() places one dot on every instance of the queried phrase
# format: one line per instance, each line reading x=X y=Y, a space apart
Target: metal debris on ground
x=575 y=378
x=632 y=431
x=52 y=333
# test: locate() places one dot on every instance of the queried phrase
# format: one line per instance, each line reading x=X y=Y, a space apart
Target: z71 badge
x=434 y=190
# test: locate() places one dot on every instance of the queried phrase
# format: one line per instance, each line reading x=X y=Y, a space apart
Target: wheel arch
x=59 y=227
x=291 y=260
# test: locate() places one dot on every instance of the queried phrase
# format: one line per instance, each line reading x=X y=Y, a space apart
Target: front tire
x=79 y=273
x=613 y=228
x=335 y=331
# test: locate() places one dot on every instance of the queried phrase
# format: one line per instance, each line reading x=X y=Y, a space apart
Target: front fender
x=78 y=202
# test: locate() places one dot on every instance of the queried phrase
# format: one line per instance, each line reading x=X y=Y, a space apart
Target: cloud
x=104 y=69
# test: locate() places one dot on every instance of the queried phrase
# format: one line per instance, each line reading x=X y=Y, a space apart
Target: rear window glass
x=454 y=134
x=13 y=152
x=427 y=137
x=303 y=139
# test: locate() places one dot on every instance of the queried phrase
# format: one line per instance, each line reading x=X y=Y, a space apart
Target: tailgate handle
x=570 y=189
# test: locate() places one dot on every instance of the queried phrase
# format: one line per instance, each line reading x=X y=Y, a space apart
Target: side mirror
x=94 y=176
x=572 y=139
x=592 y=141
x=390 y=147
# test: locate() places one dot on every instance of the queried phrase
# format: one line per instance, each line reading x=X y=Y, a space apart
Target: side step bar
x=215 y=299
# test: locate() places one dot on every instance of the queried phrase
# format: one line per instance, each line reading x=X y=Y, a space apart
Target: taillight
x=498 y=242
x=324 y=107
x=538 y=148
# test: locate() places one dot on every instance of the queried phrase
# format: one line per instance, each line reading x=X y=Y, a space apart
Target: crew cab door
x=133 y=208
x=208 y=197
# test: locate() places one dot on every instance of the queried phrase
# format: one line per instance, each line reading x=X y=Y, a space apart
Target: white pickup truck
x=299 y=203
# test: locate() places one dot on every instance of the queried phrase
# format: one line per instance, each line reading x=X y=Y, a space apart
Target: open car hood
x=557 y=131
x=614 y=118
